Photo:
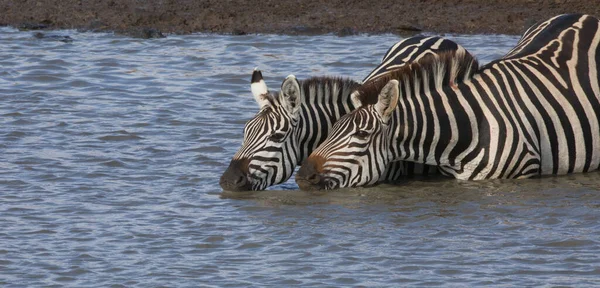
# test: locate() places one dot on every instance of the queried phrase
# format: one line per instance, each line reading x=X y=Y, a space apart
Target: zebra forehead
x=270 y=112
x=269 y=117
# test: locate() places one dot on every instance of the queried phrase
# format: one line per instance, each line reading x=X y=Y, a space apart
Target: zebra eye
x=277 y=136
x=361 y=134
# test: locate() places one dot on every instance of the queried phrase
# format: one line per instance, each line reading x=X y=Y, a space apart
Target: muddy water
x=111 y=149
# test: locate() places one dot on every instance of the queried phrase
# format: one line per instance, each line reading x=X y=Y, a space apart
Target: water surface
x=111 y=149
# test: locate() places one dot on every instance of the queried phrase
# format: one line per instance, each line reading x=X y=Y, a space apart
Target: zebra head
x=268 y=154
x=356 y=151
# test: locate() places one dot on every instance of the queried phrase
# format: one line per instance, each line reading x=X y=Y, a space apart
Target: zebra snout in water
x=235 y=178
x=308 y=177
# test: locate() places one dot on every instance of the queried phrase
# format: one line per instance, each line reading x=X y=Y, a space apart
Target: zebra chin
x=307 y=185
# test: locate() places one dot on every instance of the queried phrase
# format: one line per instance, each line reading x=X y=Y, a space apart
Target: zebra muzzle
x=234 y=178
x=309 y=178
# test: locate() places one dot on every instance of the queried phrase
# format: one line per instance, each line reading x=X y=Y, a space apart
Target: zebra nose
x=240 y=181
x=308 y=177
x=234 y=179
x=314 y=178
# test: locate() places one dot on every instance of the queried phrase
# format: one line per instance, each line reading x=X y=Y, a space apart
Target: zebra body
x=533 y=112
x=293 y=122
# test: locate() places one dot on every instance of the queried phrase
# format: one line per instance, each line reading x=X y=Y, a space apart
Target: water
x=111 y=150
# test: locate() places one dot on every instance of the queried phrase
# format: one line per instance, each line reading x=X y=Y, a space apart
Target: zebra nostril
x=240 y=181
x=314 y=178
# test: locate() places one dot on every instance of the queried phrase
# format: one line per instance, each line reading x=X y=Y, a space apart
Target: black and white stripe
x=280 y=136
x=533 y=112
x=411 y=50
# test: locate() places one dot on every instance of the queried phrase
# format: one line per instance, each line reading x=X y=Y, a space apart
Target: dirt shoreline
x=289 y=17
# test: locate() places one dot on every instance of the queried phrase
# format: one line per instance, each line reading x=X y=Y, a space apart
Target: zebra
x=533 y=112
x=292 y=123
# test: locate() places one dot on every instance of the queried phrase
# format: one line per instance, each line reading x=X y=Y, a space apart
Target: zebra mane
x=442 y=69
x=324 y=83
x=318 y=89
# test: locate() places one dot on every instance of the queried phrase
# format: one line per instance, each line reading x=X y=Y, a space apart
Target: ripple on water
x=112 y=149
x=121 y=136
x=114 y=163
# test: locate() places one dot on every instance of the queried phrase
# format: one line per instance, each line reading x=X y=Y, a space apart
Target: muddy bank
x=289 y=17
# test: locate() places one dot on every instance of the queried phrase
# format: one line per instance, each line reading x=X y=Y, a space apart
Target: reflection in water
x=440 y=190
x=111 y=149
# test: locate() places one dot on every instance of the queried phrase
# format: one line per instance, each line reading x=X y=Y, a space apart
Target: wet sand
x=145 y=18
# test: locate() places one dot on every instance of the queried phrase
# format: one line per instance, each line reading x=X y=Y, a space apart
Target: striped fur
x=533 y=112
x=275 y=140
x=411 y=50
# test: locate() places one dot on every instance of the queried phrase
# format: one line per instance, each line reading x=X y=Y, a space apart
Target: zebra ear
x=388 y=100
x=259 y=89
x=290 y=94
x=355 y=99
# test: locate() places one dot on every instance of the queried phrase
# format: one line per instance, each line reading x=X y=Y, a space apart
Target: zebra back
x=412 y=50
x=540 y=35
x=454 y=66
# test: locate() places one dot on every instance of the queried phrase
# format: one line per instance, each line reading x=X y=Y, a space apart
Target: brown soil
x=290 y=17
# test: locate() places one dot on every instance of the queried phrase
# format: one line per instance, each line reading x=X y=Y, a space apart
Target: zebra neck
x=434 y=124
x=324 y=101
